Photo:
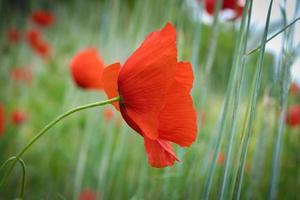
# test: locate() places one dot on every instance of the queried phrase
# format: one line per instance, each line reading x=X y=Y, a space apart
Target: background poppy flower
x=2 y=119
x=18 y=117
x=108 y=114
x=86 y=69
x=21 y=74
x=220 y=158
x=88 y=194
x=155 y=99
x=294 y=89
x=293 y=116
x=42 y=17
x=232 y=5
x=37 y=43
x=13 y=35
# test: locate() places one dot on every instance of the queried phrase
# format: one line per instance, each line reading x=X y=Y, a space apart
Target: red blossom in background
x=37 y=43
x=155 y=96
x=2 y=119
x=108 y=114
x=86 y=69
x=294 y=89
x=21 y=75
x=220 y=158
x=18 y=117
x=13 y=35
x=88 y=194
x=42 y=17
x=293 y=116
x=232 y=5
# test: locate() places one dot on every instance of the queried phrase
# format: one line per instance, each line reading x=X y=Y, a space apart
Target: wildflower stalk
x=252 y=108
x=49 y=126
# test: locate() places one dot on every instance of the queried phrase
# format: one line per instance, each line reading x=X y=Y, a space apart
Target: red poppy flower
x=21 y=74
x=294 y=89
x=13 y=35
x=232 y=5
x=86 y=68
x=18 y=117
x=293 y=116
x=37 y=43
x=2 y=119
x=42 y=17
x=88 y=194
x=155 y=99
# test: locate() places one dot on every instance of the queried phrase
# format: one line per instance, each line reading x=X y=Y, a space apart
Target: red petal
x=87 y=68
x=110 y=81
x=160 y=153
x=177 y=120
x=184 y=75
x=146 y=77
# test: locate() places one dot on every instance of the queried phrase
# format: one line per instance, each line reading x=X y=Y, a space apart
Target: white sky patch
x=295 y=71
x=259 y=14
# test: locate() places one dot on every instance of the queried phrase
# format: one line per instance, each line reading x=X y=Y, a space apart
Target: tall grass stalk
x=252 y=108
x=223 y=118
x=239 y=63
x=284 y=80
x=214 y=38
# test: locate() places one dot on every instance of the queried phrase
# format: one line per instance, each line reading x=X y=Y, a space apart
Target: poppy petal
x=184 y=75
x=160 y=152
x=109 y=80
x=147 y=76
x=177 y=120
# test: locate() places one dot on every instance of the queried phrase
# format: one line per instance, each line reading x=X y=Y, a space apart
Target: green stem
x=273 y=36
x=22 y=163
x=49 y=126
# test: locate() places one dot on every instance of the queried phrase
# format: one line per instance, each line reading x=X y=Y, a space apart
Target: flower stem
x=22 y=163
x=49 y=126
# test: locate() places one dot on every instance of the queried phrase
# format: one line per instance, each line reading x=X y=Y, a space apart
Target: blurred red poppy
x=13 y=35
x=108 y=114
x=18 y=117
x=37 y=43
x=220 y=158
x=155 y=99
x=293 y=116
x=294 y=89
x=88 y=194
x=86 y=68
x=232 y=5
x=21 y=75
x=2 y=119
x=42 y=17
